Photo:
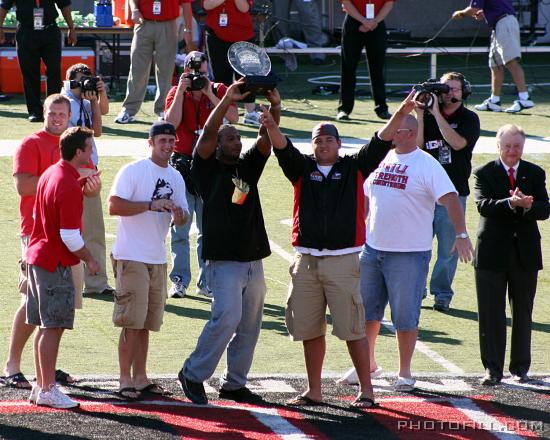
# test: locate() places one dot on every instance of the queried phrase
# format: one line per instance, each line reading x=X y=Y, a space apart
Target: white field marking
x=447 y=385
x=287 y=222
x=280 y=251
x=427 y=351
x=273 y=386
x=279 y=425
x=489 y=423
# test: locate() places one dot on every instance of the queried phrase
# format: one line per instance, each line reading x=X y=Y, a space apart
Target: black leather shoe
x=36 y=118
x=521 y=378
x=490 y=380
x=383 y=114
x=194 y=391
x=441 y=307
x=241 y=395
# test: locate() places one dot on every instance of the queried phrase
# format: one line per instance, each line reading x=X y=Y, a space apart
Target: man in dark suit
x=511 y=196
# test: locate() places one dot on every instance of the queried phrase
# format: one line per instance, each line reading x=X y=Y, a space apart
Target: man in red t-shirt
x=155 y=31
x=187 y=109
x=35 y=154
x=55 y=245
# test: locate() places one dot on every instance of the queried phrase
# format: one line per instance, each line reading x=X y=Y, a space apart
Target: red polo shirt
x=239 y=24
x=169 y=10
x=58 y=206
x=35 y=154
x=193 y=117
x=361 y=6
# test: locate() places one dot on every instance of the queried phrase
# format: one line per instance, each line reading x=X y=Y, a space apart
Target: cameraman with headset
x=188 y=105
x=448 y=131
x=89 y=101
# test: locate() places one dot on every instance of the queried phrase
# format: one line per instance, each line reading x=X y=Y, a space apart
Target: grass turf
x=92 y=347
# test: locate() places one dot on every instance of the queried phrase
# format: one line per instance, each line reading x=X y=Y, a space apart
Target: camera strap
x=83 y=112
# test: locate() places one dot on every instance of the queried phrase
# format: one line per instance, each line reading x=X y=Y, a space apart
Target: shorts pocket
x=357 y=314
x=123 y=310
x=60 y=304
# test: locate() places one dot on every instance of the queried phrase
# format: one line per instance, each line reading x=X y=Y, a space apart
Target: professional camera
x=425 y=90
x=197 y=79
x=86 y=84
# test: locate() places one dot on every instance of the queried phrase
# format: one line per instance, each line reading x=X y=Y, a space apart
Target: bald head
x=405 y=138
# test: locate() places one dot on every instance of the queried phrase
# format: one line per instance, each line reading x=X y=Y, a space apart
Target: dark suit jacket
x=499 y=225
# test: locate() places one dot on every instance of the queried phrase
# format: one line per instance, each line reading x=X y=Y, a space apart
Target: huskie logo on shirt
x=392 y=175
x=163 y=190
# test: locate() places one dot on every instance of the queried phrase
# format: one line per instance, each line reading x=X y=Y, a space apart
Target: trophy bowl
x=253 y=63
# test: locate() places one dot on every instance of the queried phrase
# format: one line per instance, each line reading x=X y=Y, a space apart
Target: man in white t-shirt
x=147 y=195
x=400 y=198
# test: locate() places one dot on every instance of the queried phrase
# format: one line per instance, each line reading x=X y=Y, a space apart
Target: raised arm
x=208 y=140
x=264 y=142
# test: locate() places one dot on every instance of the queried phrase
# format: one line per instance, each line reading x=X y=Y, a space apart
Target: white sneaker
x=342 y=116
x=350 y=377
x=54 y=398
x=34 y=394
x=519 y=105
x=178 y=289
x=124 y=118
x=489 y=106
x=161 y=116
x=404 y=384
x=204 y=291
x=252 y=118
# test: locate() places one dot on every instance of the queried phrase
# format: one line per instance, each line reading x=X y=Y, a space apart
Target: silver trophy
x=253 y=63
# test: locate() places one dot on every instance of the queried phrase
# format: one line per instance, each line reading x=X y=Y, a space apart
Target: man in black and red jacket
x=327 y=234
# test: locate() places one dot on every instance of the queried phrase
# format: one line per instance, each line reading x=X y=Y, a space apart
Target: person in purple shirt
x=505 y=50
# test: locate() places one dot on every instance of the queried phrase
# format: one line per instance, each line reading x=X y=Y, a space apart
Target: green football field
x=92 y=347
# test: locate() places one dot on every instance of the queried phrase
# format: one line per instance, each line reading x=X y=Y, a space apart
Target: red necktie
x=511 y=178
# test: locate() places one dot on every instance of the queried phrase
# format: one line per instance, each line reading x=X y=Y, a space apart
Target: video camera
x=86 y=84
x=425 y=90
x=197 y=79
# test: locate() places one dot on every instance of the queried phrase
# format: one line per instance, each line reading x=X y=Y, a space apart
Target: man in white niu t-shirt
x=146 y=195
x=401 y=196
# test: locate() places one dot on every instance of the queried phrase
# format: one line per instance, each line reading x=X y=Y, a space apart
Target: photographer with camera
x=89 y=101
x=188 y=106
x=448 y=131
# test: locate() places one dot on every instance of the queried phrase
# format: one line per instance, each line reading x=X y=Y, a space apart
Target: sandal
x=363 y=402
x=64 y=378
x=128 y=393
x=17 y=380
x=154 y=389
x=304 y=401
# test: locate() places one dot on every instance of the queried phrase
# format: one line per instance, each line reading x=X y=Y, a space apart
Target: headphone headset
x=466 y=86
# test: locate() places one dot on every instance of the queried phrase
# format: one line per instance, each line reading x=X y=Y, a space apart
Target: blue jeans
x=445 y=266
x=395 y=277
x=237 y=308
x=179 y=244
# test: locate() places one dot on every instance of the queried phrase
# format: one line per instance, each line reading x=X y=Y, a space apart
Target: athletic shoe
x=342 y=116
x=204 y=291
x=161 y=116
x=489 y=106
x=55 y=398
x=404 y=384
x=252 y=118
x=124 y=118
x=34 y=394
x=519 y=105
x=384 y=114
x=441 y=306
x=350 y=377
x=178 y=289
x=490 y=380
x=194 y=391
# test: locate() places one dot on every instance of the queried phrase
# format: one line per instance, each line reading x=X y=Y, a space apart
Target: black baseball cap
x=325 y=129
x=162 y=127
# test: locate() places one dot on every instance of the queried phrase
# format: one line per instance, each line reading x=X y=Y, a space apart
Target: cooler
x=11 y=80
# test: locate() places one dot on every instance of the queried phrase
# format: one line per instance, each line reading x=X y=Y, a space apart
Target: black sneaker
x=243 y=395
x=441 y=307
x=194 y=391
x=383 y=114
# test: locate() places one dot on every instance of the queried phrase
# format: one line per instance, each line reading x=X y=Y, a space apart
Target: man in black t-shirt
x=38 y=38
x=449 y=132
x=234 y=244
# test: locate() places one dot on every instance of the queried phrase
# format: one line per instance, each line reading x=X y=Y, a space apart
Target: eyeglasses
x=403 y=129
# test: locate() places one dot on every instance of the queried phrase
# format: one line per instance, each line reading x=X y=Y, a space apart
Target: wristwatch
x=462 y=235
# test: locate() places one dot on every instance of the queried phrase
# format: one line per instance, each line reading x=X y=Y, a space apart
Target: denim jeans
x=179 y=243
x=237 y=308
x=395 y=277
x=445 y=265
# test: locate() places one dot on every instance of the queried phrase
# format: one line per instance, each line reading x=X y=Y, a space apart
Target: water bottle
x=103 y=12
